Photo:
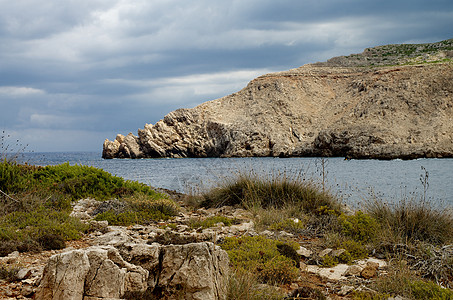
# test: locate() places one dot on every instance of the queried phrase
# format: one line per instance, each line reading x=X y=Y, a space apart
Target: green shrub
x=279 y=269
x=19 y=225
x=51 y=241
x=83 y=181
x=429 y=290
x=363 y=295
x=290 y=225
x=35 y=203
x=359 y=226
x=210 y=222
x=355 y=249
x=140 y=210
x=260 y=255
x=404 y=282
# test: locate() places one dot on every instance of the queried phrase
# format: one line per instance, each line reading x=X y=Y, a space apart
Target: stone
x=337 y=252
x=302 y=251
x=96 y=272
x=26 y=290
x=64 y=276
x=114 y=238
x=84 y=208
x=370 y=270
x=325 y=252
x=346 y=289
x=335 y=273
x=353 y=270
x=198 y=270
x=101 y=226
x=23 y=273
x=283 y=234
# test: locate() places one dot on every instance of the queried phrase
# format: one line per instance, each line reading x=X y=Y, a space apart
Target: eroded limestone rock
x=190 y=271
x=386 y=112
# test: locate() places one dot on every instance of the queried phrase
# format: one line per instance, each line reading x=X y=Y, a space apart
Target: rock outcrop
x=192 y=271
x=322 y=109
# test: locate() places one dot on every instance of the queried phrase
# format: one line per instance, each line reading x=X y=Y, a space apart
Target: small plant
x=262 y=256
x=245 y=285
x=8 y=273
x=404 y=282
x=424 y=180
x=50 y=241
x=210 y=222
x=10 y=152
x=292 y=225
x=359 y=226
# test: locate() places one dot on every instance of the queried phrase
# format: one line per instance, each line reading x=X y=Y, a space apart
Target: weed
x=359 y=226
x=412 y=220
x=8 y=273
x=210 y=222
x=363 y=295
x=402 y=281
x=261 y=255
x=245 y=285
x=139 y=210
x=10 y=152
x=248 y=190
x=50 y=241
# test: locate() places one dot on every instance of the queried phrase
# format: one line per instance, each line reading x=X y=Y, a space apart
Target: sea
x=354 y=181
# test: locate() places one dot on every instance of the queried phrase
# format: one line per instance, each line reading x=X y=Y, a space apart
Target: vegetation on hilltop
x=396 y=54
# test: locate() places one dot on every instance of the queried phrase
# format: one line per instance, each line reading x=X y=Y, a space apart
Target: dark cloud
x=89 y=69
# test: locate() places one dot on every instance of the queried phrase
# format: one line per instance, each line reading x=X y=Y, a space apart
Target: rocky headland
x=393 y=101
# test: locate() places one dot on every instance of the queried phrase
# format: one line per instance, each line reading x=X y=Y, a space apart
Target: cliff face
x=352 y=106
x=314 y=110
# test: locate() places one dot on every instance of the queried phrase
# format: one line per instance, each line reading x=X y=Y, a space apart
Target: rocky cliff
x=336 y=108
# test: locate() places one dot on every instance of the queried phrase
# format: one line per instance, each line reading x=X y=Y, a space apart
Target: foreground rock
x=191 y=271
x=315 y=110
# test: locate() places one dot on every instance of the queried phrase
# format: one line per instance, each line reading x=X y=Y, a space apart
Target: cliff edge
x=352 y=106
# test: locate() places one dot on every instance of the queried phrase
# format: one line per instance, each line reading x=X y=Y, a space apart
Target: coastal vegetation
x=413 y=236
x=36 y=203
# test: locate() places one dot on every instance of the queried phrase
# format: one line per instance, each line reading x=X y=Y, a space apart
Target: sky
x=75 y=72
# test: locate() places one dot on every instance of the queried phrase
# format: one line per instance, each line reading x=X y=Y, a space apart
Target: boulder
x=193 y=271
x=64 y=276
x=95 y=272
x=190 y=271
x=370 y=270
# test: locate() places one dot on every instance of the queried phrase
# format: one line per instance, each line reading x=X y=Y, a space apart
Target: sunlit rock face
x=326 y=109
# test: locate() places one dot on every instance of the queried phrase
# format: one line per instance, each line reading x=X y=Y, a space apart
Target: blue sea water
x=353 y=180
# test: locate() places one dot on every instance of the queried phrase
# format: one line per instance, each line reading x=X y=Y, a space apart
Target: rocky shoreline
x=394 y=112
